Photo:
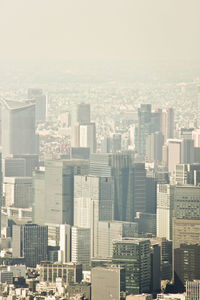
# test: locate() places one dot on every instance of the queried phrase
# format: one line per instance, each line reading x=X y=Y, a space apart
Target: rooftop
x=12 y=104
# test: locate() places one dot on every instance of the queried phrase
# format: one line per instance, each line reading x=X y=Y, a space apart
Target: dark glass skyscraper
x=30 y=241
x=135 y=256
x=129 y=182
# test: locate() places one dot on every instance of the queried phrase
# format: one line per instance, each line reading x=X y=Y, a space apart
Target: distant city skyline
x=100 y=149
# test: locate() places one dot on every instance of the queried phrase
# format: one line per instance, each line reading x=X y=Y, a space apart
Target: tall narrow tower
x=168 y=123
x=18 y=128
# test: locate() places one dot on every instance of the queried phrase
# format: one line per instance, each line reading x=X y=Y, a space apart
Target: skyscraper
x=155 y=266
x=186 y=264
x=196 y=137
x=188 y=174
x=144 y=128
x=18 y=128
x=187 y=151
x=38 y=206
x=129 y=182
x=20 y=165
x=116 y=142
x=168 y=123
x=58 y=197
x=187 y=202
x=88 y=136
x=110 y=231
x=18 y=191
x=135 y=256
x=174 y=156
x=40 y=100
x=30 y=241
x=186 y=230
x=81 y=246
x=146 y=223
x=83 y=113
x=65 y=243
x=93 y=202
x=80 y=116
x=154 y=143
x=165 y=206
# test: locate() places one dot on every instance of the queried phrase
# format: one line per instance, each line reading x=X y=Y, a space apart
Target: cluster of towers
x=134 y=214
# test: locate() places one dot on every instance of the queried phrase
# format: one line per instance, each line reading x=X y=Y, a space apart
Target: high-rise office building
x=80 y=116
x=186 y=219
x=155 y=267
x=196 y=137
x=20 y=165
x=182 y=174
x=83 y=113
x=160 y=122
x=151 y=194
x=187 y=151
x=93 y=202
x=30 y=241
x=154 y=144
x=177 y=151
x=156 y=120
x=80 y=153
x=31 y=162
x=165 y=206
x=38 y=205
x=106 y=145
x=173 y=154
x=116 y=142
x=56 y=204
x=186 y=264
x=129 y=182
x=40 y=100
x=146 y=223
x=111 y=144
x=188 y=174
x=87 y=136
x=144 y=128
x=168 y=123
x=187 y=202
x=53 y=235
x=109 y=231
x=108 y=283
x=186 y=230
x=81 y=246
x=135 y=256
x=64 y=254
x=192 y=290
x=59 y=192
x=166 y=258
x=186 y=133
x=18 y=128
x=18 y=191
x=14 y=167
x=162 y=176
x=138 y=189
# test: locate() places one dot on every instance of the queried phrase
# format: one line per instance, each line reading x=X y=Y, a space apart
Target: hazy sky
x=100 y=29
